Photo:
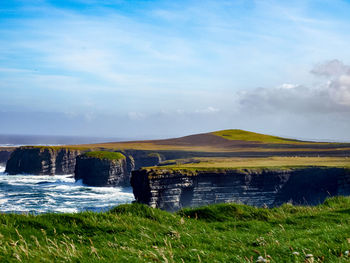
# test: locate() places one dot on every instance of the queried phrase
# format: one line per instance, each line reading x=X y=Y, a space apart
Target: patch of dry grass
x=276 y=161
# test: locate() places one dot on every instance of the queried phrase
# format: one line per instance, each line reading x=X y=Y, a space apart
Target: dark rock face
x=97 y=172
x=4 y=156
x=102 y=172
x=49 y=160
x=137 y=159
x=173 y=190
x=40 y=161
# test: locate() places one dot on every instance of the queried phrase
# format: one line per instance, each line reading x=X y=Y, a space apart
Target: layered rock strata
x=100 y=171
x=42 y=160
x=138 y=158
x=61 y=160
x=174 y=189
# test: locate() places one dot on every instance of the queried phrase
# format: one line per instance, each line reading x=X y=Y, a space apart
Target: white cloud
x=331 y=96
x=210 y=109
x=333 y=69
x=339 y=90
x=136 y=115
x=288 y=86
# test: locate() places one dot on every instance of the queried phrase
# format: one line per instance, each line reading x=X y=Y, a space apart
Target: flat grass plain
x=216 y=233
x=277 y=162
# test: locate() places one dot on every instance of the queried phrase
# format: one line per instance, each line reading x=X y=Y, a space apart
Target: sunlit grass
x=105 y=155
x=217 y=233
x=241 y=135
x=268 y=162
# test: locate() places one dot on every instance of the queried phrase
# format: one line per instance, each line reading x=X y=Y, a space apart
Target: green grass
x=236 y=163
x=56 y=148
x=241 y=135
x=105 y=155
x=217 y=233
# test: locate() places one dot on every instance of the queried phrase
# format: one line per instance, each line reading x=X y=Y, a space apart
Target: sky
x=157 y=69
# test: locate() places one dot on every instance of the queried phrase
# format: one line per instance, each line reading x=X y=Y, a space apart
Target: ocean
x=44 y=193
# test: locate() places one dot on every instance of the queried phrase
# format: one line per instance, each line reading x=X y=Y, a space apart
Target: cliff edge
x=173 y=189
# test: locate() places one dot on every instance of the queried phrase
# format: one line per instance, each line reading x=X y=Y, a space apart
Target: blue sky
x=170 y=68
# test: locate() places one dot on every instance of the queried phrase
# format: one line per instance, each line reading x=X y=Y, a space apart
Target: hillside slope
x=234 y=142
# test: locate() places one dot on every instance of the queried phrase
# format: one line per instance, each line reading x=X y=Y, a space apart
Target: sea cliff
x=62 y=160
x=172 y=189
x=42 y=160
x=102 y=169
x=5 y=153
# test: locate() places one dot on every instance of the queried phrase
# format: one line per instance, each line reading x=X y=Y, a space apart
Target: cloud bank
x=331 y=95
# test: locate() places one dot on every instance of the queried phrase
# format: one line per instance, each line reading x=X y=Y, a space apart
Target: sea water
x=59 y=193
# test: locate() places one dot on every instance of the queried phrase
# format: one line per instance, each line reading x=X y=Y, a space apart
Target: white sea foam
x=38 y=194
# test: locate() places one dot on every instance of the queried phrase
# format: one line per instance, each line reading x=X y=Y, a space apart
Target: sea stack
x=101 y=168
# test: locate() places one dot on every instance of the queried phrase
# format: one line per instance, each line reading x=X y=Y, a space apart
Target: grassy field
x=275 y=162
x=218 y=233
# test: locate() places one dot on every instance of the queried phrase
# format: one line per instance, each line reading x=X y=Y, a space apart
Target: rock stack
x=100 y=168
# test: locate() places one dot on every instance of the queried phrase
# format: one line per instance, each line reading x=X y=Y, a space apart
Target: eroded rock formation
x=42 y=160
x=138 y=158
x=174 y=189
x=61 y=160
x=102 y=172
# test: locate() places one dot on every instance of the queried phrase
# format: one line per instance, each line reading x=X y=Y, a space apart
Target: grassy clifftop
x=105 y=155
x=61 y=147
x=218 y=233
x=275 y=162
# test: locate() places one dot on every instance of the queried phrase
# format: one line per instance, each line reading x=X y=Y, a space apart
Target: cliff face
x=137 y=159
x=102 y=172
x=172 y=190
x=42 y=160
x=55 y=160
x=47 y=160
x=5 y=155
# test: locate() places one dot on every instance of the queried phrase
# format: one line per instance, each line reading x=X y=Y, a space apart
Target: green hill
x=241 y=135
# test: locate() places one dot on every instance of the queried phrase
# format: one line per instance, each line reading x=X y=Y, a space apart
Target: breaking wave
x=60 y=193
